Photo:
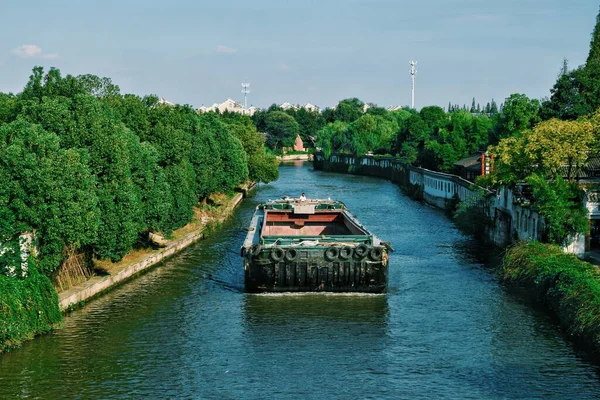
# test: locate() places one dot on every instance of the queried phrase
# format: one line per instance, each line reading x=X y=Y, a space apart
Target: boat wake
x=313 y=294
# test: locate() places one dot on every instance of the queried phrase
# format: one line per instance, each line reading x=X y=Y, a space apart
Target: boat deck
x=312 y=246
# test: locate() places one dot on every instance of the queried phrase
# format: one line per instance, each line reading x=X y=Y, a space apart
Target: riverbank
x=28 y=307
x=33 y=306
x=137 y=261
x=568 y=286
x=295 y=157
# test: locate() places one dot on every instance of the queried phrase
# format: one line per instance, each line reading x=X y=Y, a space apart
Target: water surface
x=447 y=329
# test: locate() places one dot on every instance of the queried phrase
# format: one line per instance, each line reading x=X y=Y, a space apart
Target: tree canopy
x=576 y=93
x=281 y=129
x=90 y=169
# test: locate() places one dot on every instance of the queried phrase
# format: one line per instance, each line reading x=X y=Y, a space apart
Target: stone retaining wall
x=509 y=219
x=99 y=284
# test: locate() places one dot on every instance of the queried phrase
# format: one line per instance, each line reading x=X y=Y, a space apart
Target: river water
x=186 y=329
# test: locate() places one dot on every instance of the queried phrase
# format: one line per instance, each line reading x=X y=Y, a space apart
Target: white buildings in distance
x=234 y=106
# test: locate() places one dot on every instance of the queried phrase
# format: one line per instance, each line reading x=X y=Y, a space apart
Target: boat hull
x=312 y=246
x=311 y=270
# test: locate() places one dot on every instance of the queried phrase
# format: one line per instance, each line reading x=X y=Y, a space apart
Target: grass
x=568 y=285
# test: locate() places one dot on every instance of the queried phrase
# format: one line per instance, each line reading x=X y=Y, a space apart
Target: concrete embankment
x=125 y=269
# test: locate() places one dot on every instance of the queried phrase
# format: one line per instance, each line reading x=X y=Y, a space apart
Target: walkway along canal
x=186 y=329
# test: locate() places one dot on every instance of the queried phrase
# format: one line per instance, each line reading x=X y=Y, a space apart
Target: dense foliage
x=281 y=127
x=28 y=307
x=560 y=202
x=569 y=286
x=431 y=138
x=548 y=158
x=87 y=169
x=543 y=146
x=576 y=92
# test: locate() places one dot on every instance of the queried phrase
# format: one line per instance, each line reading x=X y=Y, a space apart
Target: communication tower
x=245 y=90
x=413 y=73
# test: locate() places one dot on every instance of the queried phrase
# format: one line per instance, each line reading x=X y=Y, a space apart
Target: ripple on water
x=446 y=328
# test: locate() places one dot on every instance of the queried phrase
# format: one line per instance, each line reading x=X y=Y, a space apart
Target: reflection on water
x=186 y=329
x=309 y=311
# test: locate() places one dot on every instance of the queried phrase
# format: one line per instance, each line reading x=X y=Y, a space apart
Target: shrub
x=569 y=286
x=28 y=307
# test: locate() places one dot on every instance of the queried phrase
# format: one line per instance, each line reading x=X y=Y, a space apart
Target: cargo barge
x=298 y=245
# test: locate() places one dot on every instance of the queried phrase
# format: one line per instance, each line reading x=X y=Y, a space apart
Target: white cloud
x=32 y=51
x=27 y=50
x=283 y=67
x=221 y=48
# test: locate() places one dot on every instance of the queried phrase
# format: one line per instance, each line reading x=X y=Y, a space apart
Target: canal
x=186 y=329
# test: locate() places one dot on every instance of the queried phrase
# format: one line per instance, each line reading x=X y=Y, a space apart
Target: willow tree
x=333 y=138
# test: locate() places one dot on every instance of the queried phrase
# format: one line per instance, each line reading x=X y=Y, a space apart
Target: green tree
x=553 y=148
x=233 y=159
x=333 y=138
x=48 y=190
x=493 y=107
x=8 y=107
x=181 y=180
x=576 y=93
x=99 y=87
x=134 y=112
x=372 y=133
x=329 y=115
x=349 y=110
x=281 y=130
x=206 y=155
x=559 y=147
x=561 y=204
x=309 y=123
x=434 y=117
x=519 y=113
x=594 y=53
x=410 y=140
x=261 y=167
x=109 y=166
x=219 y=159
x=567 y=99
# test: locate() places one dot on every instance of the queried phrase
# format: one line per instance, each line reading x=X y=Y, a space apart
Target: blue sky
x=198 y=52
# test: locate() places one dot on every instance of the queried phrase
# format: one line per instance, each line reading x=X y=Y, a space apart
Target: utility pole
x=413 y=72
x=245 y=90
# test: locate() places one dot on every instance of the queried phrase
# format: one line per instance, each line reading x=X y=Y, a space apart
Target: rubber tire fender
x=376 y=253
x=291 y=254
x=277 y=254
x=361 y=251
x=255 y=250
x=332 y=253
x=346 y=252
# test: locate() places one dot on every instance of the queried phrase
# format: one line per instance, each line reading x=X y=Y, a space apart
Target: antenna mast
x=245 y=90
x=413 y=73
